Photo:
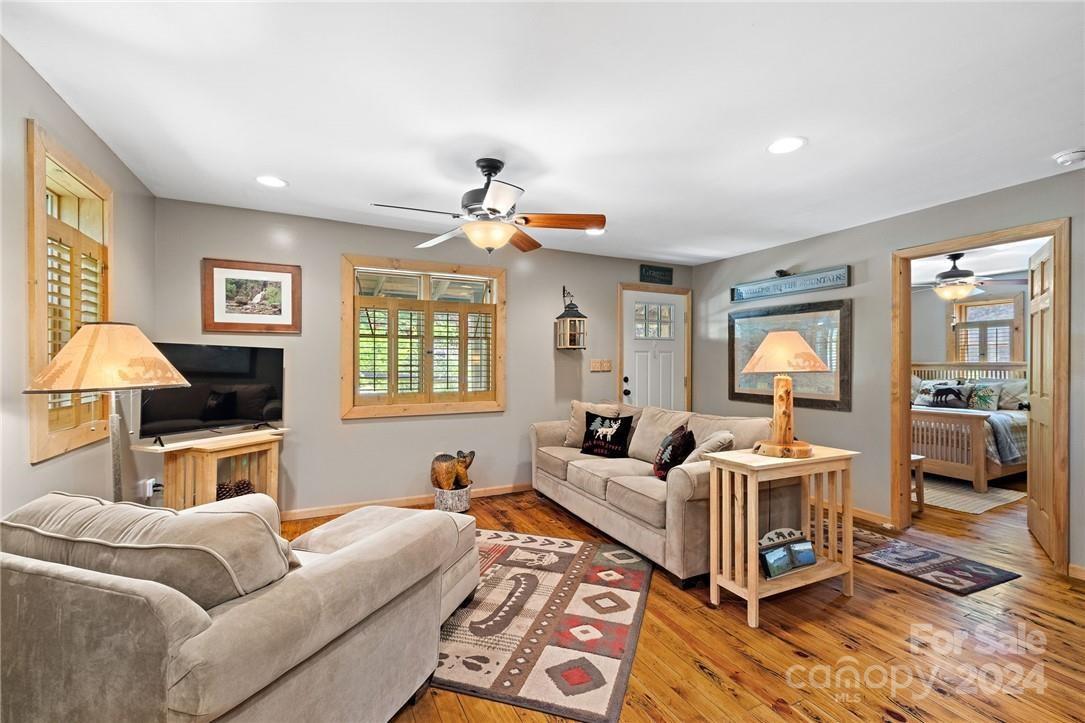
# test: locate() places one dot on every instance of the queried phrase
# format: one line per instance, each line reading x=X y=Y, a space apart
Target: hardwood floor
x=694 y=663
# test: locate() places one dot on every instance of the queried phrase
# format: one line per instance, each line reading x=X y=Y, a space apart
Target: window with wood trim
x=421 y=338
x=68 y=235
x=991 y=330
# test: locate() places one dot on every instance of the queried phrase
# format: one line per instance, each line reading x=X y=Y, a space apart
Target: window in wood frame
x=421 y=338
x=991 y=330
x=69 y=232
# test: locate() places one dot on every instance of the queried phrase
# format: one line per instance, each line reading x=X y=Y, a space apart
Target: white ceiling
x=656 y=115
x=1010 y=258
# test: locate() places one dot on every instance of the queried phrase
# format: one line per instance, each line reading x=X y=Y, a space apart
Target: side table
x=734 y=483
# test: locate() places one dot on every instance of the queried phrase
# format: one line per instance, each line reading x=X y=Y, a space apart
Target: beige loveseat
x=119 y=612
x=665 y=520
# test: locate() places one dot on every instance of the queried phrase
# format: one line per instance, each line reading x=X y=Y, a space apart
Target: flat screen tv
x=232 y=386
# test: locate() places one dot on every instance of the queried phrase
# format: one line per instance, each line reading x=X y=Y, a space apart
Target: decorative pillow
x=953 y=396
x=717 y=442
x=926 y=389
x=654 y=425
x=673 y=451
x=574 y=435
x=220 y=405
x=606 y=436
x=985 y=396
x=1014 y=393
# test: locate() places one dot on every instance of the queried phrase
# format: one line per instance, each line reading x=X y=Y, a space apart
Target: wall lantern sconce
x=571 y=326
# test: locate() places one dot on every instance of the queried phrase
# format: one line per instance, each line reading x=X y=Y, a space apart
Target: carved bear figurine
x=448 y=472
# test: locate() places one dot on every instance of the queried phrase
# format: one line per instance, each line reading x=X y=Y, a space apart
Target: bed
x=969 y=444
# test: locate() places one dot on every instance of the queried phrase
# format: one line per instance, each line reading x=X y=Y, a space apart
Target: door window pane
x=653 y=321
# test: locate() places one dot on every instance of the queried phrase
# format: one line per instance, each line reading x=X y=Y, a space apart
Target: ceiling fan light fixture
x=955 y=291
x=488 y=235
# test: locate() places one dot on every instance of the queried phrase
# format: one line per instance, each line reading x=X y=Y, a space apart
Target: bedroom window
x=989 y=330
x=421 y=338
x=68 y=240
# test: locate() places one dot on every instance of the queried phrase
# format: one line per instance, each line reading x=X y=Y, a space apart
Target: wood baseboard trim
x=1077 y=572
x=861 y=515
x=310 y=512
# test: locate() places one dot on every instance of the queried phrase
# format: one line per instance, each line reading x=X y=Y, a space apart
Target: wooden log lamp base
x=783 y=442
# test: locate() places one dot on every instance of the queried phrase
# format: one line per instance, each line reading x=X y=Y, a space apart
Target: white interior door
x=654 y=349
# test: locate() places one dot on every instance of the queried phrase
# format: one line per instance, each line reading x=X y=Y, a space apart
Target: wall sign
x=837 y=277
x=656 y=274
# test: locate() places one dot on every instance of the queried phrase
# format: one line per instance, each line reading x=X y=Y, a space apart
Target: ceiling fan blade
x=440 y=239
x=582 y=221
x=524 y=242
x=500 y=196
x=423 y=210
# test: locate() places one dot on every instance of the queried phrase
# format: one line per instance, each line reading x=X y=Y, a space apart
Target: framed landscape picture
x=243 y=296
x=827 y=328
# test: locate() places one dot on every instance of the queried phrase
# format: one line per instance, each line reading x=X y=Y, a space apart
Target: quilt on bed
x=1007 y=437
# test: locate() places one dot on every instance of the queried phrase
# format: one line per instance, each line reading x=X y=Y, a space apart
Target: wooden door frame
x=900 y=374
x=687 y=315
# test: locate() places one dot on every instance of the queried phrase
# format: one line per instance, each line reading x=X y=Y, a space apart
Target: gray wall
x=26 y=95
x=929 y=318
x=868 y=249
x=327 y=461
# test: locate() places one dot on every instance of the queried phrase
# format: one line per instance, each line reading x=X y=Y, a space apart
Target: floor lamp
x=783 y=352
x=107 y=356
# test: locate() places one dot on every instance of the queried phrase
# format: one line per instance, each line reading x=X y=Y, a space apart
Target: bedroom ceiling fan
x=955 y=283
x=490 y=220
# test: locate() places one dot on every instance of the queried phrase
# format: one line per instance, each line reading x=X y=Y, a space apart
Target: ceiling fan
x=955 y=283
x=490 y=219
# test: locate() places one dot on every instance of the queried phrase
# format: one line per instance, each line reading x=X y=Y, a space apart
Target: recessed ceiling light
x=787 y=145
x=271 y=181
x=595 y=231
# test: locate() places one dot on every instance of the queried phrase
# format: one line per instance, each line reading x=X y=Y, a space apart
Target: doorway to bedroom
x=980 y=386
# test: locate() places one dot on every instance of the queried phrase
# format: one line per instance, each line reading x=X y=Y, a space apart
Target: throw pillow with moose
x=606 y=436
x=946 y=395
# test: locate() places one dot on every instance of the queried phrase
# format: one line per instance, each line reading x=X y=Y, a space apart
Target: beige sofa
x=665 y=520
x=118 y=612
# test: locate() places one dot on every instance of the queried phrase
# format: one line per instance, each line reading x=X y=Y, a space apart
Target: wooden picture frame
x=795 y=316
x=268 y=293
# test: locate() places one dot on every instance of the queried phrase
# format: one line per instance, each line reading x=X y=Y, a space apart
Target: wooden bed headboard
x=970 y=370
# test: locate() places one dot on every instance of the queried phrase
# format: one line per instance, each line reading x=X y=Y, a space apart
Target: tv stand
x=191 y=468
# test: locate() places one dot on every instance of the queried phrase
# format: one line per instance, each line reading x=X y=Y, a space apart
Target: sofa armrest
x=688 y=482
x=549 y=434
x=80 y=644
x=270 y=631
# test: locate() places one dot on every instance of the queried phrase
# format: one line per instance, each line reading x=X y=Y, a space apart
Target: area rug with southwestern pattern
x=553 y=626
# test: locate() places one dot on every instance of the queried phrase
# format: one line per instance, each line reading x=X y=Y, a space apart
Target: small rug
x=553 y=626
x=949 y=572
x=959 y=496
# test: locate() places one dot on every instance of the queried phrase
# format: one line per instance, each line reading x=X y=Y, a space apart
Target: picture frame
x=249 y=297
x=826 y=326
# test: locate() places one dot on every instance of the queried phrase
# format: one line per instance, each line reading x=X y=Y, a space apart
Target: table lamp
x=107 y=356
x=782 y=352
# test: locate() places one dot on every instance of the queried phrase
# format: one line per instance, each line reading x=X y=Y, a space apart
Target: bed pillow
x=953 y=396
x=917 y=383
x=1013 y=394
x=985 y=396
x=574 y=434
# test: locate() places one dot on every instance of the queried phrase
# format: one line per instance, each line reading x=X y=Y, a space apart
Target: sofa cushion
x=578 y=425
x=212 y=554
x=717 y=442
x=554 y=460
x=673 y=451
x=654 y=425
x=746 y=430
x=642 y=497
x=591 y=475
x=366 y=521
